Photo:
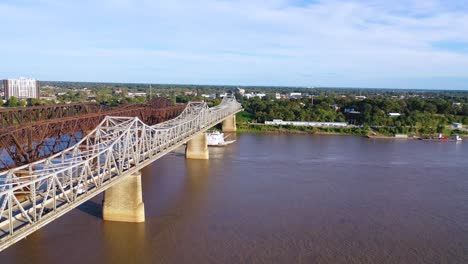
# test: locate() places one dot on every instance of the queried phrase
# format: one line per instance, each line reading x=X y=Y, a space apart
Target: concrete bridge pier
x=123 y=202
x=229 y=124
x=197 y=147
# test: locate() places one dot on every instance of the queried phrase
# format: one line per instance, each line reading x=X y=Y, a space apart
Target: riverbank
x=349 y=131
x=265 y=129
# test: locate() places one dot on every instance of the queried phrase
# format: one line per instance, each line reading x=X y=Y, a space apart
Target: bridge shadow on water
x=92 y=208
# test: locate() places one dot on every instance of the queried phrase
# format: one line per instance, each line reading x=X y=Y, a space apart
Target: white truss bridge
x=33 y=195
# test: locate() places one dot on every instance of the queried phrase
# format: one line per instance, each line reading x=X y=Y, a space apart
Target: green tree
x=13 y=102
x=34 y=102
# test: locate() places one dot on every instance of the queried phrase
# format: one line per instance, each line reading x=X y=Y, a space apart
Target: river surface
x=280 y=199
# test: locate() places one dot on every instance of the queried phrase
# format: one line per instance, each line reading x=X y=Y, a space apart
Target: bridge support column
x=124 y=202
x=229 y=124
x=197 y=147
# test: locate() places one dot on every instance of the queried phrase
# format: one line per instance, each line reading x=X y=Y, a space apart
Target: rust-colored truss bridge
x=28 y=134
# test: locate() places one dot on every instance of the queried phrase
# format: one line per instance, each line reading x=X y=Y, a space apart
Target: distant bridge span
x=35 y=133
x=108 y=158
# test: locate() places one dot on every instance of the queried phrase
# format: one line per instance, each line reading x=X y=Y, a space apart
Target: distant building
x=212 y=96
x=295 y=95
x=190 y=93
x=360 y=97
x=279 y=122
x=250 y=95
x=277 y=96
x=49 y=98
x=457 y=125
x=21 y=88
x=394 y=114
x=351 y=111
x=137 y=94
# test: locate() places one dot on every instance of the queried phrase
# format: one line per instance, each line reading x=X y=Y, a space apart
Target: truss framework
x=35 y=194
x=29 y=142
x=21 y=115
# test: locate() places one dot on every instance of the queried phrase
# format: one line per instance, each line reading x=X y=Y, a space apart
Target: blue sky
x=371 y=43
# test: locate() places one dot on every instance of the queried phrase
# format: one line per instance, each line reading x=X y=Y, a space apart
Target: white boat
x=216 y=139
x=457 y=138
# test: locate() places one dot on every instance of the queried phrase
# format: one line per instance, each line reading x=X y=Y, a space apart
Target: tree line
x=418 y=115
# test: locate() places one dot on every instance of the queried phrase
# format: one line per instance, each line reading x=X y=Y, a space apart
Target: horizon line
x=265 y=86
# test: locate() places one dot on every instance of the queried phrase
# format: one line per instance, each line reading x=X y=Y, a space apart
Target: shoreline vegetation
x=376 y=116
x=337 y=131
x=266 y=129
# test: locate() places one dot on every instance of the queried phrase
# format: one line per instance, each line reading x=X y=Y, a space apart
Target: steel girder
x=22 y=115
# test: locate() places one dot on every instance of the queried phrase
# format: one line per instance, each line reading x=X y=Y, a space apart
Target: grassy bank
x=264 y=129
x=390 y=131
x=381 y=133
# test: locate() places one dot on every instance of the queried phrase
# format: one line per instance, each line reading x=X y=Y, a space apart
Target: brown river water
x=280 y=199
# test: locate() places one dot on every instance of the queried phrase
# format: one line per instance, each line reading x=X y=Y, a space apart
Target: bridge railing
x=33 y=195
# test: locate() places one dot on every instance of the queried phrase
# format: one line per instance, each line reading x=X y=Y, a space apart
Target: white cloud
x=368 y=43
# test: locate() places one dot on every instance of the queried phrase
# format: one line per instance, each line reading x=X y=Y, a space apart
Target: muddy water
x=281 y=199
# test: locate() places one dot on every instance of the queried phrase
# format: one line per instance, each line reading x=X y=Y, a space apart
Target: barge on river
x=217 y=139
x=442 y=138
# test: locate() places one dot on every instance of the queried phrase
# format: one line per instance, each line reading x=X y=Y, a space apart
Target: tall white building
x=21 y=88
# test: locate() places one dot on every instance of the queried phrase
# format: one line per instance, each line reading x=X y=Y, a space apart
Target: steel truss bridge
x=20 y=115
x=33 y=195
x=30 y=134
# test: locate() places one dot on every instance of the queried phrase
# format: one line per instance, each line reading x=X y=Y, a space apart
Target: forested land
x=418 y=115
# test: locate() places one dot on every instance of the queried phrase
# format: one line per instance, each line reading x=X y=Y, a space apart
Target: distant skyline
x=408 y=44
